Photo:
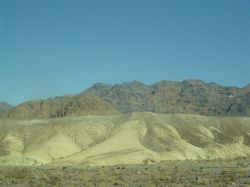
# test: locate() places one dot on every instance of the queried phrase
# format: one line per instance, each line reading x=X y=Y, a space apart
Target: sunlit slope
x=130 y=138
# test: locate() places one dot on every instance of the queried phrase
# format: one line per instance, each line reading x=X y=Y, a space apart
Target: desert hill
x=4 y=107
x=62 y=107
x=122 y=138
x=189 y=96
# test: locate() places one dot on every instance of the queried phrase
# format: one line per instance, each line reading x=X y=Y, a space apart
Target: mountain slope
x=4 y=107
x=62 y=107
x=122 y=139
x=189 y=96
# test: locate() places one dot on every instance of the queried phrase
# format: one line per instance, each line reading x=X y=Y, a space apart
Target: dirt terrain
x=169 y=173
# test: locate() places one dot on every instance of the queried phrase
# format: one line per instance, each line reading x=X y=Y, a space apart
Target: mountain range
x=188 y=96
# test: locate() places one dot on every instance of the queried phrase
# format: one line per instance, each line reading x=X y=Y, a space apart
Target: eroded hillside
x=122 y=139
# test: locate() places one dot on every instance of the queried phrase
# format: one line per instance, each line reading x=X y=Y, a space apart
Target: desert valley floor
x=216 y=173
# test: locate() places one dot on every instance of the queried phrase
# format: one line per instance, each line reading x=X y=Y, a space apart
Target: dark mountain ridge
x=188 y=96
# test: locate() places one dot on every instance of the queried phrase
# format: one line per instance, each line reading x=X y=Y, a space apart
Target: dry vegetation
x=169 y=173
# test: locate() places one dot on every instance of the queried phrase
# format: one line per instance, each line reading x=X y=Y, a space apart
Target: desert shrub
x=1 y=176
x=18 y=173
x=54 y=180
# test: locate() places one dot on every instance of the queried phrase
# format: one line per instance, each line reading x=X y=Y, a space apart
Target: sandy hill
x=4 y=107
x=123 y=138
x=62 y=107
x=189 y=96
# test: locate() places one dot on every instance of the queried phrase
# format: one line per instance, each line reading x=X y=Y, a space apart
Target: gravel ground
x=171 y=173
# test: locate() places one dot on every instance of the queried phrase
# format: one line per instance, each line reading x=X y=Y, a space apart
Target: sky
x=56 y=47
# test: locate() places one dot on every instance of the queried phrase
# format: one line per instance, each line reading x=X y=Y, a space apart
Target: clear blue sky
x=56 y=47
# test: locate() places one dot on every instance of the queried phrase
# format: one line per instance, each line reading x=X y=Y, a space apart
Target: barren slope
x=130 y=138
x=61 y=107
x=4 y=107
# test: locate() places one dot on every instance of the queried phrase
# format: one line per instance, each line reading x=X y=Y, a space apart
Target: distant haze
x=49 y=48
